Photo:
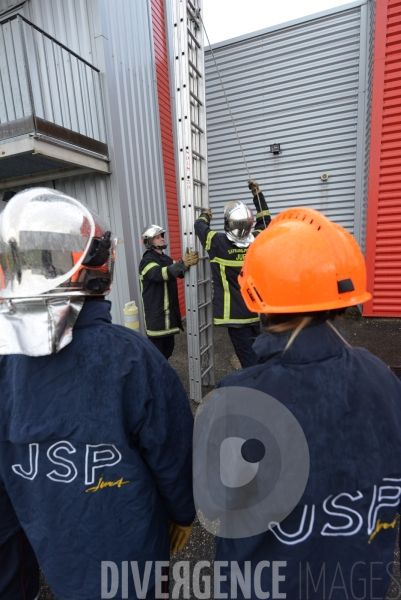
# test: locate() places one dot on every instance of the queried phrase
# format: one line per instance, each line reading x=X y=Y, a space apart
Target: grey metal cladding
x=116 y=36
x=297 y=86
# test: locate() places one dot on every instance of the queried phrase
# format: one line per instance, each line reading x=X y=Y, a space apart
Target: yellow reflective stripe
x=209 y=238
x=204 y=219
x=228 y=263
x=148 y=267
x=235 y=321
x=166 y=308
x=263 y=213
x=226 y=289
x=162 y=332
x=165 y=273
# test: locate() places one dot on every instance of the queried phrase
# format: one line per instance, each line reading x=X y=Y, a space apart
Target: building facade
x=84 y=108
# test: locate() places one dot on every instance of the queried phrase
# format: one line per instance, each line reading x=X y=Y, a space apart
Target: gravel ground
x=380 y=336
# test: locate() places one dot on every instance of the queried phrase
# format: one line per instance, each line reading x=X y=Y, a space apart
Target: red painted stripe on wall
x=383 y=235
x=166 y=126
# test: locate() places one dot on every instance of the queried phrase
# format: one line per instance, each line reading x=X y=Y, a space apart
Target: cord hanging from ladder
x=230 y=111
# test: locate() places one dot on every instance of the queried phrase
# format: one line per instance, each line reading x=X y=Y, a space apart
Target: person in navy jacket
x=95 y=426
x=339 y=540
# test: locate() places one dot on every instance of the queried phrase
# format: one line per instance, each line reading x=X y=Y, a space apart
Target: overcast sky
x=225 y=19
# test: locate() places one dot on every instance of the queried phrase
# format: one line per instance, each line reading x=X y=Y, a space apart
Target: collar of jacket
x=95 y=311
x=156 y=255
x=315 y=342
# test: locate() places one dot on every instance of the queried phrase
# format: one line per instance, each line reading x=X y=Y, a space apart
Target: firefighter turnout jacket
x=348 y=404
x=95 y=455
x=226 y=260
x=159 y=295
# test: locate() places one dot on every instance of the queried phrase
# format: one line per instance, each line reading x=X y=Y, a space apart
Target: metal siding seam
x=361 y=123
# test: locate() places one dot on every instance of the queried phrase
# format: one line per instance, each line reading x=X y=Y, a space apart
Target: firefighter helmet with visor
x=149 y=232
x=53 y=245
x=238 y=221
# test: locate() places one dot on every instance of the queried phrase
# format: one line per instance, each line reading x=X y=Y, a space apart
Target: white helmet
x=238 y=221
x=51 y=245
x=149 y=233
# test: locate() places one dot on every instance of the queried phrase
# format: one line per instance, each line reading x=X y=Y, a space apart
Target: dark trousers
x=242 y=339
x=165 y=344
x=19 y=570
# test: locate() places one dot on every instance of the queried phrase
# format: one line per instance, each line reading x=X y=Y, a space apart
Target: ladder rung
x=196 y=98
x=200 y=306
x=203 y=258
x=204 y=349
x=203 y=327
x=203 y=281
x=193 y=15
x=197 y=127
x=203 y=373
x=195 y=68
x=198 y=182
x=191 y=5
x=198 y=155
x=191 y=35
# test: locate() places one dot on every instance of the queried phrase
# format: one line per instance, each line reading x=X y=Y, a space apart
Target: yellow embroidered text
x=379 y=526
x=104 y=484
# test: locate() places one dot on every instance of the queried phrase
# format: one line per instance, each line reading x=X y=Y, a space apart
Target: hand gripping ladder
x=190 y=115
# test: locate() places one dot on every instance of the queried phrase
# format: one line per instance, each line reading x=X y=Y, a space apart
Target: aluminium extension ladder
x=190 y=114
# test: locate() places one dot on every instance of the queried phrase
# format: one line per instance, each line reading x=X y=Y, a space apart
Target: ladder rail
x=190 y=112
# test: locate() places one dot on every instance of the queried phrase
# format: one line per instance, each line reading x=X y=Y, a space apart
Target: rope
x=231 y=114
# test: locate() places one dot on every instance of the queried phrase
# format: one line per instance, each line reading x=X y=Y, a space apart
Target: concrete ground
x=381 y=336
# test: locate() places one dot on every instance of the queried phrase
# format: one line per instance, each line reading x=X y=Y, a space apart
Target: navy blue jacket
x=95 y=453
x=344 y=527
x=161 y=307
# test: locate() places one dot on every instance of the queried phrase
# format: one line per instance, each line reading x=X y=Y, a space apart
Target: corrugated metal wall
x=383 y=256
x=301 y=85
x=117 y=38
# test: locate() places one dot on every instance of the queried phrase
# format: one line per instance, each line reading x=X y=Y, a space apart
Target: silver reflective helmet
x=149 y=233
x=238 y=221
x=52 y=245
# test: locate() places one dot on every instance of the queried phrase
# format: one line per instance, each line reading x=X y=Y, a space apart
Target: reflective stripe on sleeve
x=165 y=273
x=148 y=267
x=209 y=238
x=263 y=213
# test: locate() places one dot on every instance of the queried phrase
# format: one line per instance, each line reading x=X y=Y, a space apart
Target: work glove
x=207 y=212
x=190 y=258
x=254 y=187
x=179 y=537
x=177 y=269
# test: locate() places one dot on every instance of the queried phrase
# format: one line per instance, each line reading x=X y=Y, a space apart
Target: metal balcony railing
x=47 y=90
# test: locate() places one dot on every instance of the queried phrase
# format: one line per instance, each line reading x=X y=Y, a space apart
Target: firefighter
x=158 y=278
x=300 y=275
x=95 y=426
x=227 y=252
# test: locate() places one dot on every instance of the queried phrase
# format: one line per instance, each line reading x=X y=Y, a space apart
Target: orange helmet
x=303 y=262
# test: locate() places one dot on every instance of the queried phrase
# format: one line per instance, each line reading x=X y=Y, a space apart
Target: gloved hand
x=207 y=211
x=190 y=258
x=179 y=537
x=254 y=187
